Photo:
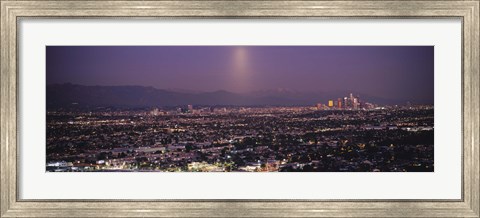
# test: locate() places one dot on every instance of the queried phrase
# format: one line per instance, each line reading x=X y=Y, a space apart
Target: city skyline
x=240 y=109
x=395 y=72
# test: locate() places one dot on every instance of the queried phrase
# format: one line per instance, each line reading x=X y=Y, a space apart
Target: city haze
x=397 y=73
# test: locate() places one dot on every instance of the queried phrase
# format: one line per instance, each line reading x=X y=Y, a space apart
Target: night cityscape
x=279 y=109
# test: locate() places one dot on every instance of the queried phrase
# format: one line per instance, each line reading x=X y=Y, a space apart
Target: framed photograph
x=239 y=109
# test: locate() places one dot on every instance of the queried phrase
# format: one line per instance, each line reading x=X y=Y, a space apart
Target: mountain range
x=66 y=95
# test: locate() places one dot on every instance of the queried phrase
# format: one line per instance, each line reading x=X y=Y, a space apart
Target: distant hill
x=66 y=95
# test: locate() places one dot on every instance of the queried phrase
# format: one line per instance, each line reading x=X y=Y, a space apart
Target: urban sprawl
x=341 y=135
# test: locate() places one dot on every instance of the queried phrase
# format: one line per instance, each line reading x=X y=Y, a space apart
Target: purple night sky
x=394 y=72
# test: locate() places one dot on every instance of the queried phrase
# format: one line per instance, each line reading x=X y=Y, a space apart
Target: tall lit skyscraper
x=351 y=100
x=355 y=103
x=339 y=103
x=359 y=102
x=330 y=103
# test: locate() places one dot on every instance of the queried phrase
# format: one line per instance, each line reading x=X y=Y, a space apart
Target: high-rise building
x=190 y=107
x=351 y=100
x=319 y=106
x=355 y=103
x=345 y=102
x=339 y=103
x=330 y=103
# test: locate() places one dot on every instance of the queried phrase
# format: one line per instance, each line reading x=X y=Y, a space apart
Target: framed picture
x=239 y=108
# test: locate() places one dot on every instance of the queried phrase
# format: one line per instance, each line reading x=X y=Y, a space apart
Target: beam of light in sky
x=240 y=69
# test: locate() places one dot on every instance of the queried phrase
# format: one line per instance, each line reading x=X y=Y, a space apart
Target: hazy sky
x=401 y=72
